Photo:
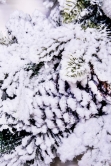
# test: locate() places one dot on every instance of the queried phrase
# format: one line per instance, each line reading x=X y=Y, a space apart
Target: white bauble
x=106 y=7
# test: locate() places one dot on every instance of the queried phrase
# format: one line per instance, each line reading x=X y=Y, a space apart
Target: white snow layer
x=63 y=96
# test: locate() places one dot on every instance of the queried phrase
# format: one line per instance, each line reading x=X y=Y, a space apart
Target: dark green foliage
x=93 y=15
x=8 y=140
x=34 y=68
x=94 y=18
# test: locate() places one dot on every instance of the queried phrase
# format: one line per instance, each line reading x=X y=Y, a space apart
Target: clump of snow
x=91 y=140
x=106 y=7
x=49 y=3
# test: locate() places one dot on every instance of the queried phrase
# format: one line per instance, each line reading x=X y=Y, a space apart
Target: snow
x=106 y=7
x=52 y=87
x=28 y=6
x=95 y=136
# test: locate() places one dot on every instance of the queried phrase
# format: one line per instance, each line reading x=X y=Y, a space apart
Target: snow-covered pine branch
x=55 y=87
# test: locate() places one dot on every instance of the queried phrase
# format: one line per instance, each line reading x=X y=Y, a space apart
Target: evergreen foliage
x=55 y=86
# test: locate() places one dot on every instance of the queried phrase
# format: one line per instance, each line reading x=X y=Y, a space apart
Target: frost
x=55 y=86
x=91 y=141
x=106 y=7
